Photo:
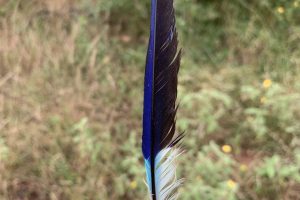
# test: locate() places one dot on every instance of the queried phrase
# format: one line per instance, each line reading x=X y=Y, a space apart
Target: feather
x=160 y=143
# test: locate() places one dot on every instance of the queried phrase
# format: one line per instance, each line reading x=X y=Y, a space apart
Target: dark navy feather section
x=160 y=93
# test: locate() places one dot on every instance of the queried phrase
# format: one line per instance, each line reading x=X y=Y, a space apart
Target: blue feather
x=160 y=143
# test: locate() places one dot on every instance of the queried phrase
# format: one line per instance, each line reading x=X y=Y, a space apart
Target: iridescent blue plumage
x=160 y=108
x=148 y=86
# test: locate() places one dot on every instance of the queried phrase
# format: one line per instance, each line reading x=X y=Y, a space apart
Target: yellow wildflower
x=231 y=184
x=296 y=4
x=226 y=148
x=133 y=184
x=280 y=10
x=243 y=168
x=267 y=83
x=263 y=100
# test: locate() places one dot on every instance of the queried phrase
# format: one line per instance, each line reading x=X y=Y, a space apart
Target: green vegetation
x=71 y=88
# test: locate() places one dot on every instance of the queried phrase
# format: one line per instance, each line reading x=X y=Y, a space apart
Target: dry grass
x=45 y=89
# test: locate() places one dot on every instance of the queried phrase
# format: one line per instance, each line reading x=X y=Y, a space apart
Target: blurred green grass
x=71 y=87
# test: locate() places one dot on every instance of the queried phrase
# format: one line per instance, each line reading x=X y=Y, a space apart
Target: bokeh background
x=71 y=88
